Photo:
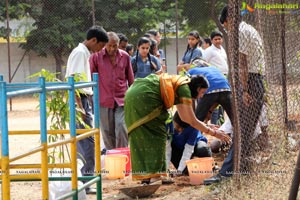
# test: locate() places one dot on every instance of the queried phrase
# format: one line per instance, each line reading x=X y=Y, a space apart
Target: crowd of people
x=137 y=94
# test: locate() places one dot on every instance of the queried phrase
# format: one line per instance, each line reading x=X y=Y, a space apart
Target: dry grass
x=271 y=180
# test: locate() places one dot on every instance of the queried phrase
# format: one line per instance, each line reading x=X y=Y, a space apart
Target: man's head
x=113 y=43
x=96 y=38
x=216 y=38
x=224 y=15
x=123 y=41
x=215 y=145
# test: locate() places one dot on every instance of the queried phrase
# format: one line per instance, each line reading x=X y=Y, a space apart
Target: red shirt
x=114 y=80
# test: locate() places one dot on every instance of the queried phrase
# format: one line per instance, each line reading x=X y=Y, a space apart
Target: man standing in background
x=115 y=76
x=251 y=74
x=78 y=63
x=123 y=41
x=216 y=54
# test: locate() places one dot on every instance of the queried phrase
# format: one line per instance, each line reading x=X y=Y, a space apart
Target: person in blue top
x=219 y=91
x=186 y=143
x=143 y=63
x=192 y=51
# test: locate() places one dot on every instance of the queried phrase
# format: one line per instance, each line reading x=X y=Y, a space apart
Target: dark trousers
x=208 y=100
x=86 y=147
x=201 y=150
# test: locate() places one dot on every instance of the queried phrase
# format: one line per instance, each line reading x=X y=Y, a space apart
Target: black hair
x=147 y=35
x=215 y=33
x=196 y=35
x=178 y=120
x=98 y=32
x=152 y=46
x=122 y=37
x=207 y=40
x=197 y=81
x=224 y=14
x=200 y=42
x=141 y=41
x=129 y=47
x=153 y=32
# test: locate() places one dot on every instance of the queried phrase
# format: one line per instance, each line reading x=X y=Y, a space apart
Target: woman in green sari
x=145 y=116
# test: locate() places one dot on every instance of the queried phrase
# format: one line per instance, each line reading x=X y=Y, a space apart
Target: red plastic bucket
x=122 y=151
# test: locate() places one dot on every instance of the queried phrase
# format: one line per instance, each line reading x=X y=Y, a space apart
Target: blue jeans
x=248 y=120
x=227 y=167
x=217 y=115
x=86 y=147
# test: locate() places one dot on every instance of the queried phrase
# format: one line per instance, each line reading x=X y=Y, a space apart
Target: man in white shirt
x=251 y=101
x=78 y=63
x=216 y=54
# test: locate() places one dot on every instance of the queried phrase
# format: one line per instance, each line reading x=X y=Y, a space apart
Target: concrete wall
x=171 y=53
x=33 y=63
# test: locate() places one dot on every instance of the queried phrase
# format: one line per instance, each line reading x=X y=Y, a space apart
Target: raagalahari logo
x=275 y=8
x=246 y=9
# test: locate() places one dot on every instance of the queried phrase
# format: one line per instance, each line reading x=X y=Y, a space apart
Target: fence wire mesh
x=262 y=46
x=268 y=124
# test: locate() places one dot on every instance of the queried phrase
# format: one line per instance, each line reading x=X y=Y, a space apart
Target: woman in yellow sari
x=145 y=116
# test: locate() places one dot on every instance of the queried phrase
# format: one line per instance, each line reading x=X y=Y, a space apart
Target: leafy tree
x=134 y=17
x=203 y=15
x=16 y=10
x=59 y=26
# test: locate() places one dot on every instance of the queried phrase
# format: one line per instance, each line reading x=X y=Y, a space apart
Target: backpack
x=168 y=87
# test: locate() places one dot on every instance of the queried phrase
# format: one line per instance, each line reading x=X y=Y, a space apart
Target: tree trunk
x=59 y=63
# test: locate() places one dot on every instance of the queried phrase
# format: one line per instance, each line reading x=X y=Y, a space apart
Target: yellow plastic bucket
x=115 y=166
x=200 y=169
x=122 y=151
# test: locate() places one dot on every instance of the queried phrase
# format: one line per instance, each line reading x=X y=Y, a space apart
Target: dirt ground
x=25 y=116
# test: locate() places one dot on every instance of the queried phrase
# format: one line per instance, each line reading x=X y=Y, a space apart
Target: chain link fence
x=264 y=59
x=263 y=53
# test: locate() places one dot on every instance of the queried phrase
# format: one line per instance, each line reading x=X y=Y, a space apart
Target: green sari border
x=155 y=113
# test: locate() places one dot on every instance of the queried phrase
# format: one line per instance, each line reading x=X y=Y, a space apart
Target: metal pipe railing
x=17 y=89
